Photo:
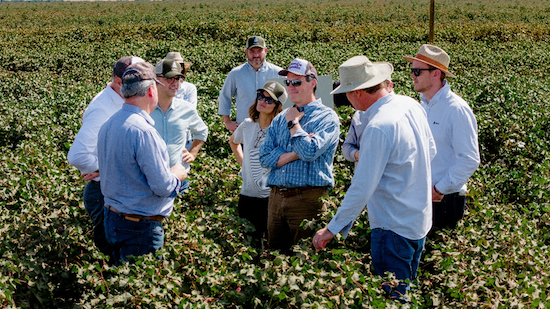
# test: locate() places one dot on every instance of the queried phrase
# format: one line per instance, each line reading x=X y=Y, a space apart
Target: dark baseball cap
x=168 y=68
x=255 y=41
x=123 y=63
x=139 y=72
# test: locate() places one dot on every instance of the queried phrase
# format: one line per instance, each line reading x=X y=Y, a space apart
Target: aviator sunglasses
x=260 y=96
x=295 y=83
x=417 y=71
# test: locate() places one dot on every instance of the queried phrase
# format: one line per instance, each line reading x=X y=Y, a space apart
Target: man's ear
x=117 y=80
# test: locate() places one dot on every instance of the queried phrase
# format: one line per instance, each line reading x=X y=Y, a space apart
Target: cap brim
x=285 y=73
x=412 y=59
x=172 y=75
x=271 y=94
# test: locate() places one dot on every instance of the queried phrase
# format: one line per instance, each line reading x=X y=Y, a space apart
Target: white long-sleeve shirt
x=393 y=175
x=353 y=139
x=83 y=152
x=454 y=129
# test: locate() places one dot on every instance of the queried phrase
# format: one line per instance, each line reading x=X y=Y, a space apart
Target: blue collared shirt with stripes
x=316 y=153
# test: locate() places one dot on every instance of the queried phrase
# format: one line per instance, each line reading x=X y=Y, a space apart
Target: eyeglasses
x=172 y=79
x=269 y=100
x=295 y=83
x=417 y=71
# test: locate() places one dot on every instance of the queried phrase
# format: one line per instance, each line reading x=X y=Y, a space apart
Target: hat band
x=432 y=62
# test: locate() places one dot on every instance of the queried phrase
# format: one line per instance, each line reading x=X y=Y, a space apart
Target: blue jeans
x=93 y=203
x=396 y=254
x=130 y=238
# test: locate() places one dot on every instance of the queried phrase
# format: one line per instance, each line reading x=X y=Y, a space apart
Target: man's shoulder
x=239 y=68
x=271 y=66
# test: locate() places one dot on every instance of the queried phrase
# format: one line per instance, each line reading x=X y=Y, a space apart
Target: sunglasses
x=295 y=83
x=269 y=100
x=417 y=72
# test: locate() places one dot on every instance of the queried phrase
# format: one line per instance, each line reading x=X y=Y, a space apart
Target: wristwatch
x=291 y=124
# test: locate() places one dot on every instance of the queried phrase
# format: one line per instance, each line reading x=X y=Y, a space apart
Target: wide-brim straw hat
x=434 y=56
x=360 y=73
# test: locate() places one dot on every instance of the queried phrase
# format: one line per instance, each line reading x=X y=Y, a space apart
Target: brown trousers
x=285 y=214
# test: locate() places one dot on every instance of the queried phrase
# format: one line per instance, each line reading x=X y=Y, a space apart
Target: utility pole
x=432 y=9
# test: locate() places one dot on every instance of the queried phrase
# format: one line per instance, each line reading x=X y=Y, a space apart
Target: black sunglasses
x=295 y=83
x=417 y=72
x=269 y=100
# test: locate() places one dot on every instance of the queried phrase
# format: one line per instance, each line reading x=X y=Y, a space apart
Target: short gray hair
x=137 y=89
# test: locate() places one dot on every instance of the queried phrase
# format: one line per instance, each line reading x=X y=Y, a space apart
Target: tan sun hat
x=434 y=56
x=177 y=57
x=360 y=73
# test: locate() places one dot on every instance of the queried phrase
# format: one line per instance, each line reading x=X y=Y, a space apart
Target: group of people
x=412 y=159
x=137 y=139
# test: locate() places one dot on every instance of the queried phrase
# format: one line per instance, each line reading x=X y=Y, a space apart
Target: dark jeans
x=396 y=254
x=132 y=238
x=285 y=214
x=449 y=211
x=254 y=209
x=93 y=203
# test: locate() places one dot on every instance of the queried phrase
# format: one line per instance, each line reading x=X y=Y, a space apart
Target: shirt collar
x=373 y=109
x=262 y=68
x=113 y=94
x=441 y=93
x=139 y=111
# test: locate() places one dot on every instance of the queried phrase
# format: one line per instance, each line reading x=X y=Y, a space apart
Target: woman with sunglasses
x=245 y=144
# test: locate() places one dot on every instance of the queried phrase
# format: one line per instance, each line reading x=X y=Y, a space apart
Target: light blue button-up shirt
x=180 y=118
x=314 y=168
x=133 y=164
x=242 y=82
x=393 y=174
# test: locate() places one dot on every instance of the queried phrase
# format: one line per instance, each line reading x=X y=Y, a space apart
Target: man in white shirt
x=454 y=129
x=392 y=177
x=83 y=152
x=243 y=81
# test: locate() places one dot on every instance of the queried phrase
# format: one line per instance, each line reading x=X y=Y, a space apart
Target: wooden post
x=432 y=9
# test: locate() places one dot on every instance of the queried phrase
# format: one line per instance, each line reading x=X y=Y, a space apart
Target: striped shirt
x=314 y=168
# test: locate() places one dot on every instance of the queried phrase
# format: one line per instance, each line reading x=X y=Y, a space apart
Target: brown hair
x=255 y=115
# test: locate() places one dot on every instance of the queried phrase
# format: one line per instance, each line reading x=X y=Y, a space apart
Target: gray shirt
x=242 y=82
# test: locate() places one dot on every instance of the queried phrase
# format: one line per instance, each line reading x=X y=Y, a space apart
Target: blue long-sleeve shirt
x=314 y=168
x=133 y=164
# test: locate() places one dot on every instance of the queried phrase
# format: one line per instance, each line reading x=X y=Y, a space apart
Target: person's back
x=400 y=129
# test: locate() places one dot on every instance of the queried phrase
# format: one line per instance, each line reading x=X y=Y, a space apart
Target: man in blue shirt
x=299 y=148
x=393 y=174
x=174 y=117
x=243 y=81
x=83 y=152
x=136 y=180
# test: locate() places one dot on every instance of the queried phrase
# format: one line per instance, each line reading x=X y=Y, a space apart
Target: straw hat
x=360 y=73
x=434 y=56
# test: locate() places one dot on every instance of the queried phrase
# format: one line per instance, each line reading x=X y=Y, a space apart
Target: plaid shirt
x=314 y=168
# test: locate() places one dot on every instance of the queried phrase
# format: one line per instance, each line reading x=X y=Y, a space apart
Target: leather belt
x=289 y=192
x=135 y=218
